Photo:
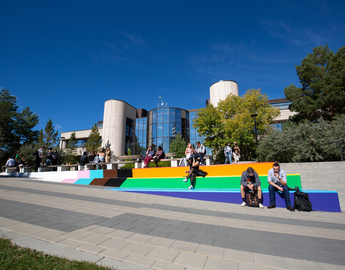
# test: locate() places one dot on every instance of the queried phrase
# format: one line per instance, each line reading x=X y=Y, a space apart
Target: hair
x=276 y=164
x=84 y=153
x=160 y=147
x=50 y=148
x=198 y=142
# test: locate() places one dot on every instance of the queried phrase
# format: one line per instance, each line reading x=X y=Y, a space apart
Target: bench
x=24 y=169
x=11 y=169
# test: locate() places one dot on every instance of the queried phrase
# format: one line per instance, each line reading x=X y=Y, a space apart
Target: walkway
x=138 y=231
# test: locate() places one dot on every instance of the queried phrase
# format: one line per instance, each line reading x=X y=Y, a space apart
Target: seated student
x=278 y=182
x=236 y=152
x=149 y=155
x=55 y=157
x=107 y=155
x=49 y=157
x=9 y=163
x=159 y=155
x=194 y=171
x=189 y=151
x=84 y=159
x=23 y=162
x=92 y=157
x=200 y=151
x=250 y=182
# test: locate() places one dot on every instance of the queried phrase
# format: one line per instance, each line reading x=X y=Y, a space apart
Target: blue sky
x=64 y=59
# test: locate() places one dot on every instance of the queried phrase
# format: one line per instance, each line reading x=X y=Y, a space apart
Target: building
x=125 y=127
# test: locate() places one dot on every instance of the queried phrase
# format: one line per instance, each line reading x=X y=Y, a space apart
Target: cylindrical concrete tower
x=220 y=90
x=117 y=115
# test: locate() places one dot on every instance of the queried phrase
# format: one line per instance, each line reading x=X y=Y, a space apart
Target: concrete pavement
x=138 y=231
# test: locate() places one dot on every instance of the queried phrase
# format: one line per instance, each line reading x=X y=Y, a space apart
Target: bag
x=302 y=202
x=252 y=199
x=201 y=173
x=183 y=162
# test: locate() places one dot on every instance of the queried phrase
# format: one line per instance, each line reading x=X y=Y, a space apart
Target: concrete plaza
x=138 y=231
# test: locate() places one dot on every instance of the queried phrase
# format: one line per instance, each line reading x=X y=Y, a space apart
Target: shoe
x=185 y=180
x=191 y=187
x=271 y=206
x=290 y=208
x=260 y=205
x=243 y=204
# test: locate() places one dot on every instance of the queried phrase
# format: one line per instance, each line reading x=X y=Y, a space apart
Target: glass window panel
x=166 y=130
x=166 y=115
x=160 y=115
x=160 y=130
x=154 y=116
x=159 y=141
x=137 y=134
x=166 y=145
x=178 y=115
x=172 y=130
x=137 y=124
x=172 y=115
x=187 y=115
x=178 y=128
x=154 y=130
x=192 y=133
x=144 y=136
x=183 y=114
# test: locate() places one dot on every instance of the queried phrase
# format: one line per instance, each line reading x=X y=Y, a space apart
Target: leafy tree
x=322 y=76
x=71 y=154
x=94 y=140
x=303 y=142
x=27 y=150
x=49 y=137
x=178 y=146
x=231 y=121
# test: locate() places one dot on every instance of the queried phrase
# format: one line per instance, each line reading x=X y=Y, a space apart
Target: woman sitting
x=159 y=155
x=189 y=151
x=149 y=155
x=194 y=171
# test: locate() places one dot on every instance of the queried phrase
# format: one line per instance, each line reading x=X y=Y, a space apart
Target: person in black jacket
x=84 y=159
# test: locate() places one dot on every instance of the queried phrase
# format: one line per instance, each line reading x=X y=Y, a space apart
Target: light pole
x=341 y=151
x=256 y=133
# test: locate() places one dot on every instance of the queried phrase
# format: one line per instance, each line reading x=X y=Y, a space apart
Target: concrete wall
x=320 y=175
x=220 y=90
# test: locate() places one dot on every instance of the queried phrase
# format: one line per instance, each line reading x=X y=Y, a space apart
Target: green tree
x=178 y=146
x=71 y=154
x=23 y=127
x=322 y=77
x=49 y=137
x=94 y=140
x=7 y=114
x=231 y=121
x=303 y=142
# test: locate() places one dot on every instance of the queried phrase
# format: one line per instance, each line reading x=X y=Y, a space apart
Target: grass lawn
x=15 y=257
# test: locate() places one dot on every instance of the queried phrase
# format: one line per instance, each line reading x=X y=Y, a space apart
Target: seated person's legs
x=286 y=195
x=272 y=191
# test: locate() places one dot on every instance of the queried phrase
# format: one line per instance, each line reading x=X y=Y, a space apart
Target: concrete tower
x=220 y=90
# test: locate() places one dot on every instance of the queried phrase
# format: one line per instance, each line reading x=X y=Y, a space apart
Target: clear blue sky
x=64 y=59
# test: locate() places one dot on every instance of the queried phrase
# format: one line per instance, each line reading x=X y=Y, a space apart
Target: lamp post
x=341 y=151
x=256 y=133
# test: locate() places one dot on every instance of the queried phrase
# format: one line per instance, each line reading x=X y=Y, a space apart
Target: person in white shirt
x=9 y=163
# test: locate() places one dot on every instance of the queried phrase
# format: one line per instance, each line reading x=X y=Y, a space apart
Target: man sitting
x=250 y=182
x=9 y=163
x=277 y=182
x=200 y=151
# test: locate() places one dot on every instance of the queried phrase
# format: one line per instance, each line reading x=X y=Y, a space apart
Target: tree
x=178 y=146
x=23 y=125
x=322 y=76
x=49 y=137
x=303 y=142
x=94 y=140
x=231 y=121
x=71 y=149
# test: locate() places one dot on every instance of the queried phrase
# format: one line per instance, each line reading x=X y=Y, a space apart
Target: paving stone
x=177 y=228
x=252 y=247
x=116 y=244
x=138 y=249
x=163 y=254
x=91 y=248
x=139 y=238
x=70 y=243
x=119 y=234
x=225 y=243
x=216 y=263
x=206 y=240
x=159 y=241
x=180 y=236
x=95 y=239
x=240 y=256
x=247 y=266
x=190 y=259
x=115 y=254
x=136 y=259
x=270 y=261
x=159 y=232
x=302 y=265
x=210 y=251
x=183 y=245
x=160 y=265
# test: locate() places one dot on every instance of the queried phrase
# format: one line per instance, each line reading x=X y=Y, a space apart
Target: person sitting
x=101 y=156
x=194 y=171
x=55 y=157
x=9 y=163
x=92 y=157
x=84 y=159
x=250 y=182
x=149 y=155
x=107 y=155
x=200 y=151
x=189 y=151
x=227 y=153
x=49 y=157
x=23 y=162
x=159 y=155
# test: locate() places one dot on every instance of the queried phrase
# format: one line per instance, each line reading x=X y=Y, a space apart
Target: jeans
x=272 y=190
x=201 y=156
x=228 y=157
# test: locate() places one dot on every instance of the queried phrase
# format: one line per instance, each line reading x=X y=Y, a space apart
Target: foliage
x=71 y=155
x=322 y=76
x=16 y=128
x=94 y=141
x=151 y=165
x=178 y=146
x=15 y=257
x=303 y=142
x=28 y=150
x=231 y=121
x=49 y=138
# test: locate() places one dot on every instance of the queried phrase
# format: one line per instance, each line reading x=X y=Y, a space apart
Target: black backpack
x=252 y=199
x=302 y=202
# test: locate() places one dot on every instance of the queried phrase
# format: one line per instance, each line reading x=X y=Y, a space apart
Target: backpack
x=252 y=199
x=302 y=202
